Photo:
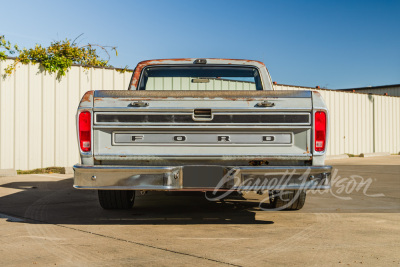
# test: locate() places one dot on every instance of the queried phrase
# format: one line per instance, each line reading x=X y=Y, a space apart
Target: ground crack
x=124 y=240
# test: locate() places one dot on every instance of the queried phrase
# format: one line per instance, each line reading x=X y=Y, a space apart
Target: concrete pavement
x=44 y=221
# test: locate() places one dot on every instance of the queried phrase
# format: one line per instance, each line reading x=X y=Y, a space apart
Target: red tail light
x=320 y=131
x=84 y=131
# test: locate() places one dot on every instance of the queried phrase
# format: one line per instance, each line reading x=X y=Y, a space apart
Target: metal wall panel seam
x=15 y=116
x=55 y=121
x=392 y=123
x=113 y=82
x=1 y=111
x=346 y=137
x=123 y=82
x=381 y=124
x=394 y=128
x=28 y=108
x=41 y=122
x=67 y=120
x=361 y=124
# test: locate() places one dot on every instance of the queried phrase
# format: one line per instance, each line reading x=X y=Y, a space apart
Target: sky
x=332 y=44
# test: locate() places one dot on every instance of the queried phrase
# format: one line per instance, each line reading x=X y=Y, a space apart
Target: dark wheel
x=116 y=199
x=288 y=199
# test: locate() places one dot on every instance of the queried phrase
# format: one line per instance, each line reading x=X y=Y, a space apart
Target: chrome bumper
x=195 y=178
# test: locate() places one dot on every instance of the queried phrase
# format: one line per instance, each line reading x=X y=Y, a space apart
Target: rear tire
x=288 y=199
x=116 y=199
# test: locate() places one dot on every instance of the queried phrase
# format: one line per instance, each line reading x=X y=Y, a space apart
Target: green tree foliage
x=58 y=57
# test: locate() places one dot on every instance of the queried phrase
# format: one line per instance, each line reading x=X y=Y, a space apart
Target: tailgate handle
x=202 y=115
x=139 y=104
x=265 y=104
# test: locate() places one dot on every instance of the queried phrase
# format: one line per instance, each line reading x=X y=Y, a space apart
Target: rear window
x=200 y=78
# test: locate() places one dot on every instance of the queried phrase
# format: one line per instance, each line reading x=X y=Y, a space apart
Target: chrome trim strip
x=197 y=127
x=199 y=123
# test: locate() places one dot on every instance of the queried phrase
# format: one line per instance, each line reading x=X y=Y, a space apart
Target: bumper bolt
x=93 y=178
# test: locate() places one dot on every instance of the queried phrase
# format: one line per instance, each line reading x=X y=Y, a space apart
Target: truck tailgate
x=188 y=125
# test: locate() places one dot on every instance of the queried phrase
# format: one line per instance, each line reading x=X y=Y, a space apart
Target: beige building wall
x=390 y=90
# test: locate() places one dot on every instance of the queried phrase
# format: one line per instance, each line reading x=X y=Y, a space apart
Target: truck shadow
x=56 y=202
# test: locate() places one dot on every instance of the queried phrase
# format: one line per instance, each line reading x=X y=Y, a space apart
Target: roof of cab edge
x=142 y=64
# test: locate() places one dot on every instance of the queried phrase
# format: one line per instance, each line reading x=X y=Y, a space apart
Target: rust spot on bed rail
x=224 y=94
x=87 y=97
x=244 y=98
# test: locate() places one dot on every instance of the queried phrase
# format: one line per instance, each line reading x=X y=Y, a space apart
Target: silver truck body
x=202 y=140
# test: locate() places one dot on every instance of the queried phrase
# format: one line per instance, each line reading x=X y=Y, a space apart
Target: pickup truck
x=211 y=125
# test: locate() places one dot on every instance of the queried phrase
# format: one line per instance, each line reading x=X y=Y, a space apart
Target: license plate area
x=203 y=176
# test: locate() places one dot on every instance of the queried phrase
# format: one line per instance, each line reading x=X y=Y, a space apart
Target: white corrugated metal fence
x=37 y=116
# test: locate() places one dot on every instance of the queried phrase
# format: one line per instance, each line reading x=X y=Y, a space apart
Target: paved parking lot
x=44 y=221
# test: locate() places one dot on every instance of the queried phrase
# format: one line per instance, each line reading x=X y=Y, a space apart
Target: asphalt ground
x=44 y=221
